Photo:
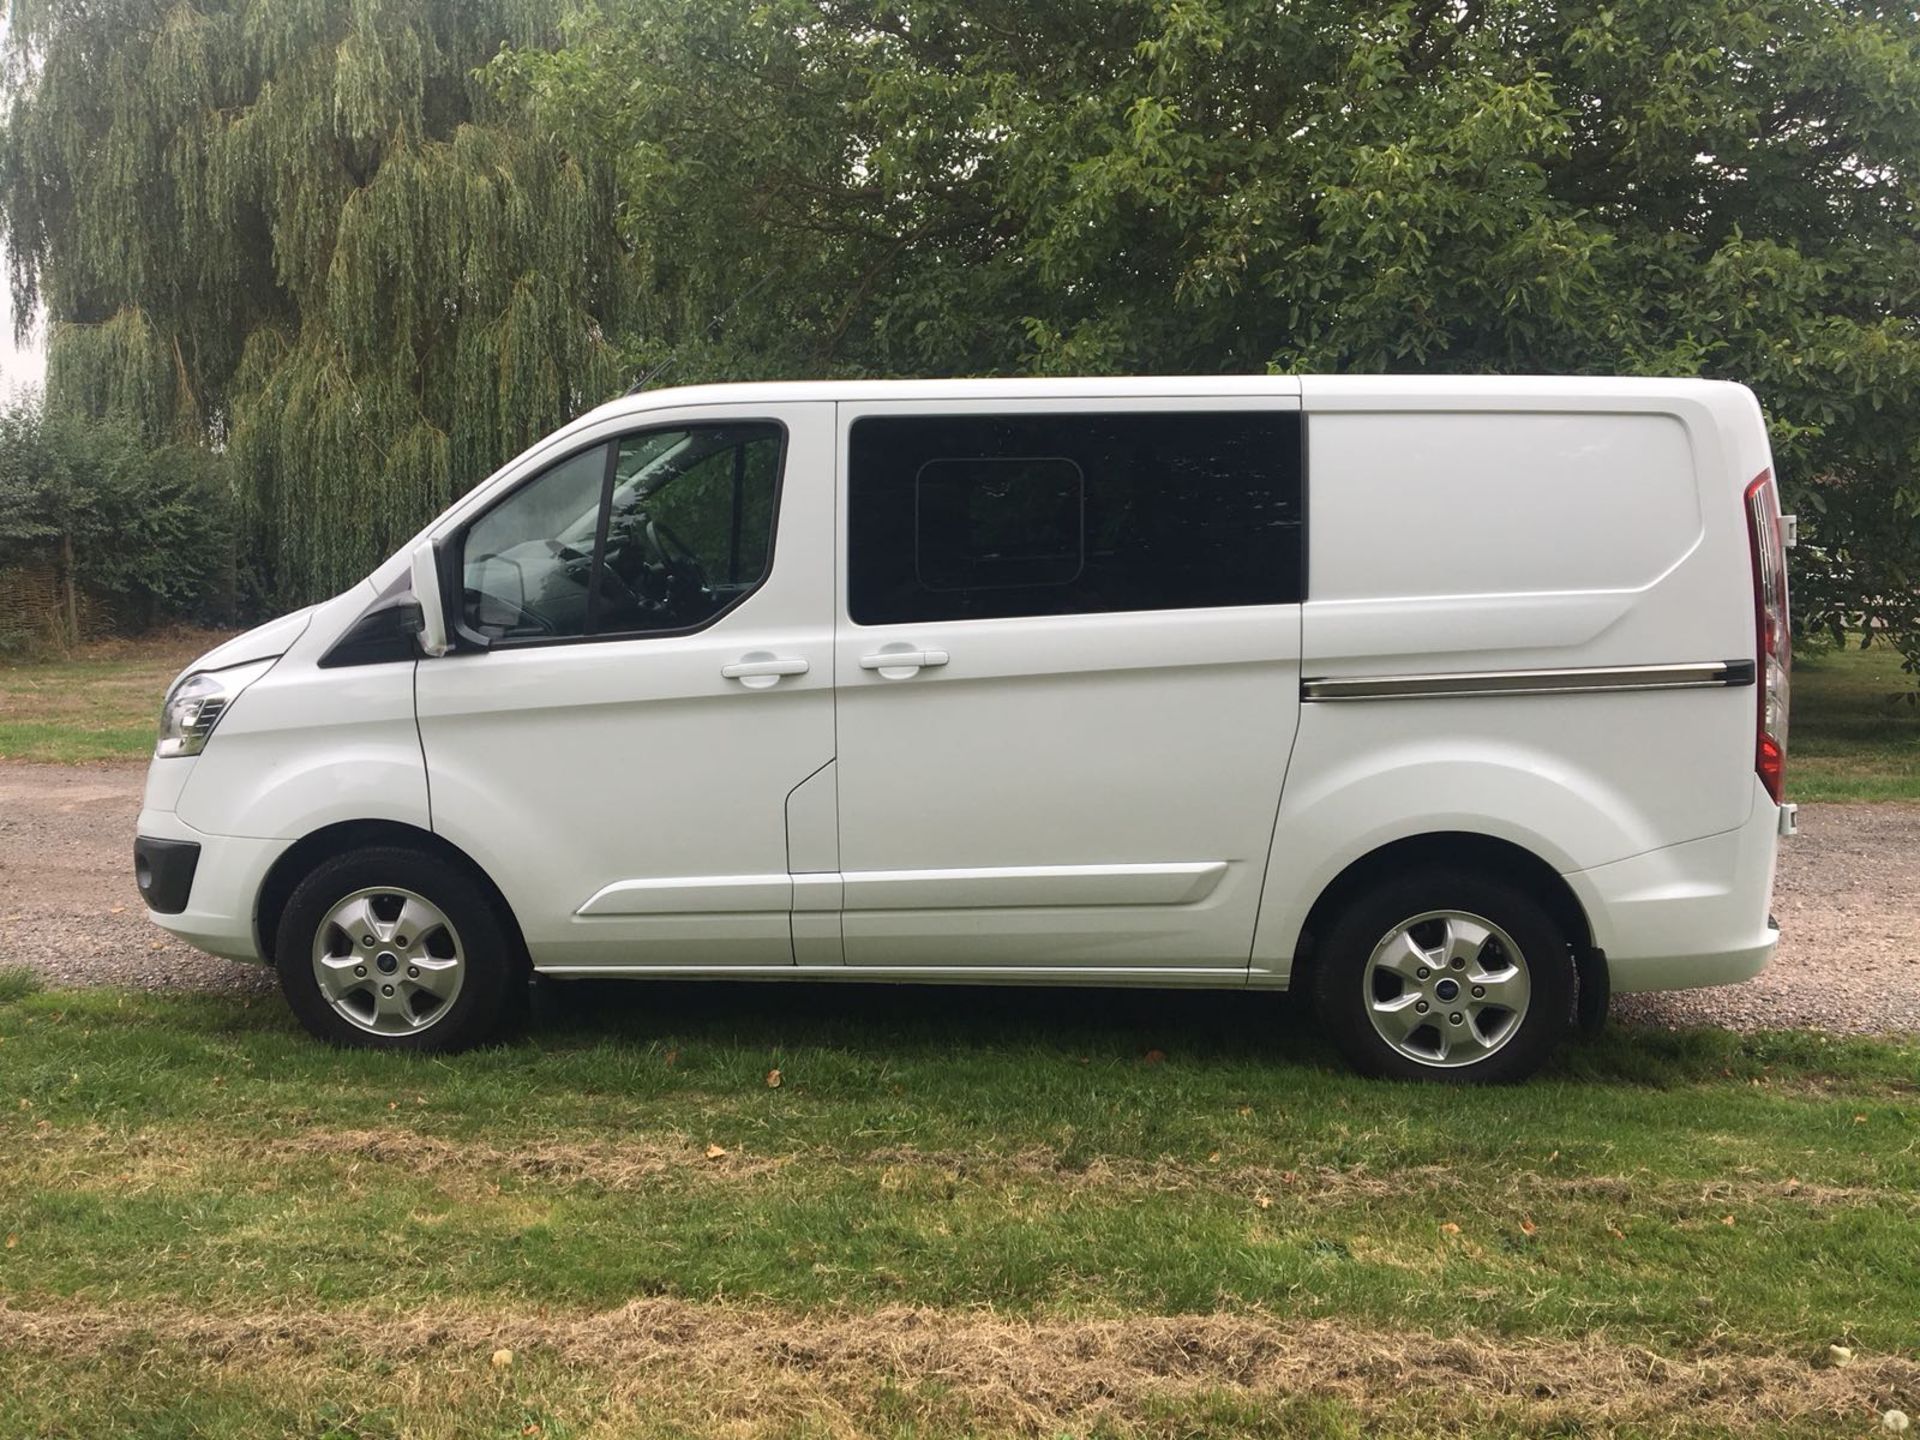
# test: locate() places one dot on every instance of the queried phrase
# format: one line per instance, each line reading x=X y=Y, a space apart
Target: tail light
x=1775 y=635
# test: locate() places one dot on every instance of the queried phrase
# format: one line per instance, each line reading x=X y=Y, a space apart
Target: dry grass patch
x=631 y=1164
x=611 y=1165
x=92 y=1156
x=741 y=1370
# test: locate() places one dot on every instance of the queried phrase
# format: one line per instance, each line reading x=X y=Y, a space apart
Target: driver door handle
x=756 y=672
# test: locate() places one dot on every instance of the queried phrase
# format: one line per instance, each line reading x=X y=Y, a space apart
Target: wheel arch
x=301 y=858
x=1455 y=849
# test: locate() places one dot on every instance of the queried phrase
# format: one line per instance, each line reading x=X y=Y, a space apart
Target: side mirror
x=427 y=594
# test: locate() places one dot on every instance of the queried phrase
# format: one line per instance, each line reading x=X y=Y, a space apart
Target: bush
x=129 y=535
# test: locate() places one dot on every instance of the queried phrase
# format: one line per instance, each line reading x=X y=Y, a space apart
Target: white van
x=1455 y=702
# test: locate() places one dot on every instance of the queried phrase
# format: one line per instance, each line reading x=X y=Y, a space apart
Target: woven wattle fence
x=33 y=609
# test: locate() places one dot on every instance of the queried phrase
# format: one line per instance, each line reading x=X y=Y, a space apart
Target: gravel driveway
x=68 y=906
x=1848 y=897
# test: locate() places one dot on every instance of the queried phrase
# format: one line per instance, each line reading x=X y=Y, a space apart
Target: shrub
x=127 y=535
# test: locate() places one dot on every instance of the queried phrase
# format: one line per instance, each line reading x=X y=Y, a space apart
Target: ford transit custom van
x=1454 y=704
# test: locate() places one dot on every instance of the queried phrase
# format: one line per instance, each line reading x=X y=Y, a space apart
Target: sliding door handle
x=898 y=664
x=759 y=670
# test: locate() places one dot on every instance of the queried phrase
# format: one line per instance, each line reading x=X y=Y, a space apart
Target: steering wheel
x=675 y=553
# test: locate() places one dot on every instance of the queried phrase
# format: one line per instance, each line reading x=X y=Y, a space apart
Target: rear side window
x=981 y=517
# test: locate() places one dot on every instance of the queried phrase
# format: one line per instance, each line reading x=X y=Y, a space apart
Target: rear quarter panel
x=1539 y=524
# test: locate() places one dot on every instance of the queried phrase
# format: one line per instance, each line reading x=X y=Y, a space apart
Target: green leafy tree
x=144 y=532
x=1725 y=187
x=368 y=252
x=299 y=231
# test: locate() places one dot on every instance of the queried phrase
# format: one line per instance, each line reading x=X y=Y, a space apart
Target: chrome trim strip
x=1703 y=675
x=1212 y=977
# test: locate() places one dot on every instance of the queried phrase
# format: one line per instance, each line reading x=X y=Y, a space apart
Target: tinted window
x=999 y=523
x=984 y=517
x=661 y=532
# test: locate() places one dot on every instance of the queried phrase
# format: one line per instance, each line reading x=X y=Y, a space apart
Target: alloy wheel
x=388 y=961
x=1446 y=988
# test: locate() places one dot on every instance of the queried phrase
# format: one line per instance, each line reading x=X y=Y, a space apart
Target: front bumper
x=163 y=869
x=217 y=907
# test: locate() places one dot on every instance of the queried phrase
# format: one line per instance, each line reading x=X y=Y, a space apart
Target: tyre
x=391 y=948
x=1445 y=975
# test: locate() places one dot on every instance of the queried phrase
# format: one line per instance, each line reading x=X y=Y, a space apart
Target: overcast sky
x=21 y=367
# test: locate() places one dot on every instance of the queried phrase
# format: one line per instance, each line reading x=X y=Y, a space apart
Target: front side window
x=528 y=562
x=658 y=532
x=979 y=517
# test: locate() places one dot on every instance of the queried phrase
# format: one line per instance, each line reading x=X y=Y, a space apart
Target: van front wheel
x=1446 y=976
x=389 y=948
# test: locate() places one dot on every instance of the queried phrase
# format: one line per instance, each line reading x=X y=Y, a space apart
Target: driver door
x=655 y=609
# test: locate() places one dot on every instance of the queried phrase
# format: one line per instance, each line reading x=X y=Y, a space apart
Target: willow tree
x=303 y=231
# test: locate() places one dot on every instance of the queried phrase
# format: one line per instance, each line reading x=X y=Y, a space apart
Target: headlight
x=194 y=706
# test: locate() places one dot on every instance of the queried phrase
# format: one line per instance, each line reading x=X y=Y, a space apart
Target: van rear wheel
x=390 y=948
x=1445 y=975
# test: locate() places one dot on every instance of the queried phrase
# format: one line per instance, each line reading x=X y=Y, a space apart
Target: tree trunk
x=73 y=599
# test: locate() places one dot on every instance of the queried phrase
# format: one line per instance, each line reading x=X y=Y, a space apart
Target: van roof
x=1317 y=391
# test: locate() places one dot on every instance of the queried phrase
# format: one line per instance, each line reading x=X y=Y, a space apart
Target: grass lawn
x=1851 y=740
x=958 y=1212
x=102 y=703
